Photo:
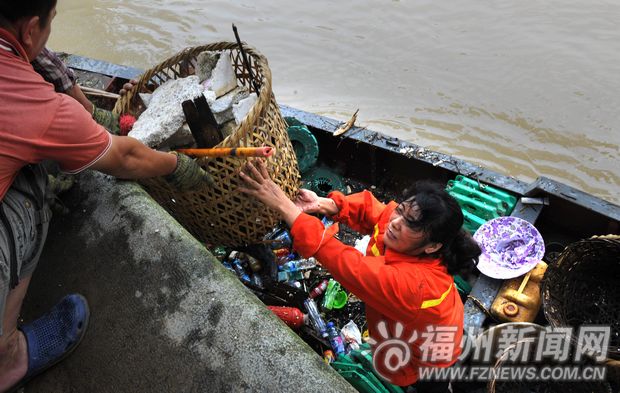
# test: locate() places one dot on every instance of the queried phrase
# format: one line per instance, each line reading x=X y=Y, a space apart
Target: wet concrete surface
x=166 y=316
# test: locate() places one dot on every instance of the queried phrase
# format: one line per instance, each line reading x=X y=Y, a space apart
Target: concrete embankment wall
x=166 y=316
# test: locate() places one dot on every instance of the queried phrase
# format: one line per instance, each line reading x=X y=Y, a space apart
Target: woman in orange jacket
x=413 y=310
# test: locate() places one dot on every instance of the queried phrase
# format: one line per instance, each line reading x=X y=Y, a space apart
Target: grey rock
x=165 y=116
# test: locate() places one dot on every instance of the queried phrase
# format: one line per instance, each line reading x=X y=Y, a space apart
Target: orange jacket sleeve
x=360 y=211
x=384 y=287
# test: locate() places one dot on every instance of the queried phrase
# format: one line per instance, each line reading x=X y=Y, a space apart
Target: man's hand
x=128 y=86
x=188 y=175
x=106 y=119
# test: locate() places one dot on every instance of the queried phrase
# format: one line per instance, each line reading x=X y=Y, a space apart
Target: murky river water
x=524 y=88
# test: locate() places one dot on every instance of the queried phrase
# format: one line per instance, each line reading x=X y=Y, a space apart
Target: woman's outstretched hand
x=258 y=184
x=307 y=200
x=310 y=203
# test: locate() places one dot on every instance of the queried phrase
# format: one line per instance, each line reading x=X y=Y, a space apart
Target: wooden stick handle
x=524 y=282
x=97 y=92
x=264 y=151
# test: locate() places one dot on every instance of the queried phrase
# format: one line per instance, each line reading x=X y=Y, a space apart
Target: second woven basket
x=581 y=288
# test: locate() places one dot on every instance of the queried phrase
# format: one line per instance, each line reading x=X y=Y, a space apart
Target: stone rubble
x=162 y=125
x=164 y=116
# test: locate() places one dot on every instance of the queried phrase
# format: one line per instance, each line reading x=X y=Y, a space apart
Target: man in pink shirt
x=37 y=124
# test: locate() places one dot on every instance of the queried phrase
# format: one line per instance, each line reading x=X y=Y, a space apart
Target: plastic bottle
x=228 y=266
x=300 y=264
x=291 y=316
x=319 y=289
x=334 y=296
x=240 y=271
x=257 y=281
x=335 y=339
x=280 y=239
x=254 y=264
x=283 y=276
x=315 y=317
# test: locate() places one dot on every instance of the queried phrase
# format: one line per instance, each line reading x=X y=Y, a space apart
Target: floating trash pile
x=299 y=291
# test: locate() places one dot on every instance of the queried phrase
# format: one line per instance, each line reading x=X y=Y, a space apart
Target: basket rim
x=265 y=94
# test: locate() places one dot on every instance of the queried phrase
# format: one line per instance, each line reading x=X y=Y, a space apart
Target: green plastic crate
x=463 y=189
x=471 y=222
x=461 y=285
x=475 y=207
x=510 y=200
x=359 y=377
x=363 y=383
x=364 y=357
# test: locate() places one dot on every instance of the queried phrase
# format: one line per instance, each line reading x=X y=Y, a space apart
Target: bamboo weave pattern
x=221 y=215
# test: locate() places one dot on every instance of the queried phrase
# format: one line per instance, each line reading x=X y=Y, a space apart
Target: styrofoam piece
x=223 y=78
x=164 y=116
x=244 y=106
x=205 y=62
x=210 y=96
x=222 y=107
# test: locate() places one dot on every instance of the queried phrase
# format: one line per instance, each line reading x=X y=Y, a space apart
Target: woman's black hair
x=435 y=212
x=13 y=10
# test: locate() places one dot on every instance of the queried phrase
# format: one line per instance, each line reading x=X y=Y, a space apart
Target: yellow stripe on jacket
x=374 y=249
x=436 y=302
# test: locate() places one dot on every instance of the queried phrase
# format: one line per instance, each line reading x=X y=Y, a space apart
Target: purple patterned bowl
x=510 y=247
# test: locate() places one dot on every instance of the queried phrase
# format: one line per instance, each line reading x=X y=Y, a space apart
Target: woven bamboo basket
x=221 y=215
x=581 y=288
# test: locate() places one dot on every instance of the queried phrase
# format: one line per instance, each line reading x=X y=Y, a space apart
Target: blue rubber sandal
x=53 y=336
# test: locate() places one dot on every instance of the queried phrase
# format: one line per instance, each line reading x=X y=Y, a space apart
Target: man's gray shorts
x=28 y=227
